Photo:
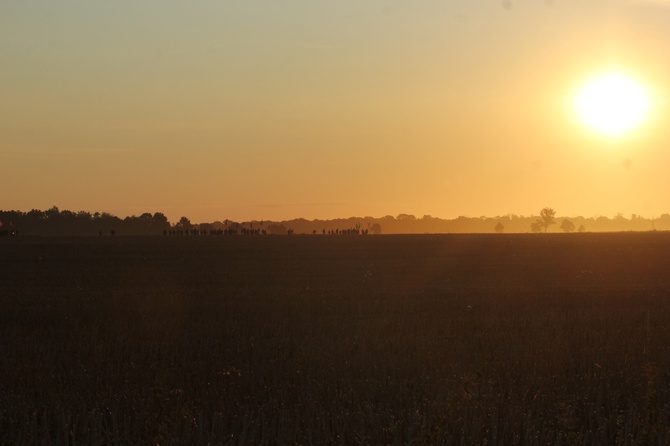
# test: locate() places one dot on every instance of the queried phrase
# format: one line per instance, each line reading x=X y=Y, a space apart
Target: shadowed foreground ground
x=445 y=339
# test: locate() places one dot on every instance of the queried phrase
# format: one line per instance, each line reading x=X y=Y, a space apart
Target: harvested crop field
x=527 y=339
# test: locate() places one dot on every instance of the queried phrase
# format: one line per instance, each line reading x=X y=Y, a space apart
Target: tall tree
x=548 y=217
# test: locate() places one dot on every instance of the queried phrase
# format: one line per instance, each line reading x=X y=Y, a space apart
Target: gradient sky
x=321 y=109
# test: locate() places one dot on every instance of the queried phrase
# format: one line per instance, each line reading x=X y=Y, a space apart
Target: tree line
x=54 y=221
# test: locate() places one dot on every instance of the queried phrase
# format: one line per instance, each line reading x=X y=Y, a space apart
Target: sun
x=612 y=104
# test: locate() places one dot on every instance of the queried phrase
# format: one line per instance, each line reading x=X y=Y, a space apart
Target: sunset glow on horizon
x=273 y=110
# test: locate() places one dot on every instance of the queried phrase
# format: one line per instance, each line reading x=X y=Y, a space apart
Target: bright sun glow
x=612 y=104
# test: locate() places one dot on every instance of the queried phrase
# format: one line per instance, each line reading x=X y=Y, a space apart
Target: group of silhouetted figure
x=218 y=232
x=352 y=231
x=250 y=231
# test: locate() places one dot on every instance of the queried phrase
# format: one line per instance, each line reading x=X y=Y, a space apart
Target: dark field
x=447 y=339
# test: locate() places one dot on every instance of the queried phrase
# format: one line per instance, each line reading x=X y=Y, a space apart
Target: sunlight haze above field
x=284 y=109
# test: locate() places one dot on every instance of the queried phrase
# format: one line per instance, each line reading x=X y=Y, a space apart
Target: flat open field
x=556 y=339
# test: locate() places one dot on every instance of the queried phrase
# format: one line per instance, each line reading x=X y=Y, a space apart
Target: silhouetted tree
x=500 y=228
x=184 y=224
x=567 y=226
x=52 y=213
x=548 y=217
x=160 y=221
x=406 y=217
x=84 y=216
x=581 y=228
x=536 y=226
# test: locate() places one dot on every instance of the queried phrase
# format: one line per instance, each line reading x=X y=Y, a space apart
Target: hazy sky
x=331 y=108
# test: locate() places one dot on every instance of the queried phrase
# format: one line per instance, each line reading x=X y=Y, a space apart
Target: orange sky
x=278 y=110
